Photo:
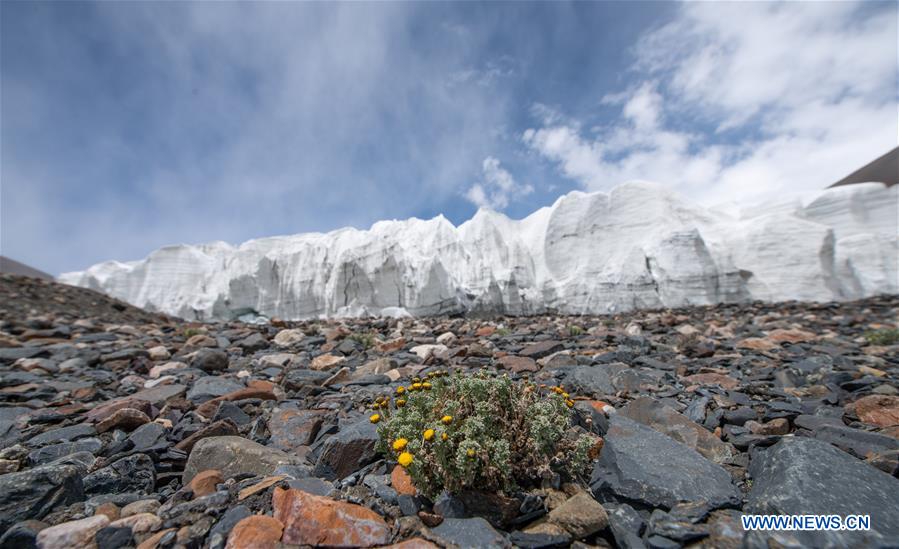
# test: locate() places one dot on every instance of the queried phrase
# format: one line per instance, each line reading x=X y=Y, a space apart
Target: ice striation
x=637 y=246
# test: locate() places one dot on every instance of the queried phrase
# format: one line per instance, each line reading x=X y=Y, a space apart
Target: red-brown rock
x=317 y=520
x=256 y=532
x=879 y=410
x=402 y=482
x=205 y=482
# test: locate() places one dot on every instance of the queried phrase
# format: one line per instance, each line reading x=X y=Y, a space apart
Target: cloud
x=498 y=187
x=737 y=101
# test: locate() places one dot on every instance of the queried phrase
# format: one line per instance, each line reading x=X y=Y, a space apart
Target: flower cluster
x=481 y=432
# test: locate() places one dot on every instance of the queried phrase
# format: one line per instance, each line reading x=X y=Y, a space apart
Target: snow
x=640 y=245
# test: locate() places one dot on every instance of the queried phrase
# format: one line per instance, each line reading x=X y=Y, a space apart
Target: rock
x=159 y=353
x=639 y=464
x=161 y=369
x=756 y=344
x=64 y=434
x=232 y=456
x=253 y=342
x=56 y=451
x=126 y=419
x=401 y=481
x=139 y=523
x=541 y=349
x=148 y=436
x=255 y=532
x=210 y=360
x=777 y=426
x=802 y=476
x=77 y=533
x=580 y=516
x=526 y=540
x=414 y=543
x=219 y=533
x=710 y=378
x=291 y=428
x=879 y=410
x=855 y=441
x=34 y=493
x=114 y=537
x=314 y=520
x=474 y=533
x=140 y=506
x=200 y=340
x=288 y=338
x=374 y=367
x=666 y=420
x=626 y=525
x=449 y=506
x=134 y=473
x=221 y=428
x=348 y=451
x=212 y=386
x=790 y=336
x=326 y=362
x=424 y=352
x=153 y=541
x=22 y=535
x=111 y=510
x=205 y=482
x=518 y=364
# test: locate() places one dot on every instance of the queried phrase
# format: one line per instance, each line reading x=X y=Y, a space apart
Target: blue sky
x=128 y=126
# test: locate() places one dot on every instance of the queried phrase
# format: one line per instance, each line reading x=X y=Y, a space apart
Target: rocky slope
x=639 y=246
x=167 y=434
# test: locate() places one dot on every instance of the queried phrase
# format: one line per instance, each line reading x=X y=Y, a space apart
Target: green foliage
x=503 y=332
x=575 y=330
x=190 y=332
x=366 y=340
x=503 y=434
x=888 y=336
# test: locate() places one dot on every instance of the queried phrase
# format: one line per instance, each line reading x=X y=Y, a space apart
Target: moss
x=888 y=336
x=500 y=435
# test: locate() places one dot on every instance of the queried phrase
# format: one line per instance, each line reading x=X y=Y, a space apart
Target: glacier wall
x=638 y=246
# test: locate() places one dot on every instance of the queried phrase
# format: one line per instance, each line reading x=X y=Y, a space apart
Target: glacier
x=641 y=245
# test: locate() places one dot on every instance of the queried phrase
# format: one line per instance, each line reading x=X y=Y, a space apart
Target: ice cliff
x=639 y=245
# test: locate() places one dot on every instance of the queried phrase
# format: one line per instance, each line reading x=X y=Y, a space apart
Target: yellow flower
x=416 y=386
x=416 y=379
x=374 y=418
x=566 y=395
x=569 y=403
x=429 y=434
x=400 y=390
x=470 y=452
x=400 y=402
x=444 y=436
x=405 y=459
x=426 y=386
x=446 y=420
x=400 y=444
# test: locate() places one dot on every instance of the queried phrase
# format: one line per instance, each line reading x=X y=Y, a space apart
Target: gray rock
x=525 y=540
x=859 y=443
x=219 y=533
x=626 y=525
x=209 y=360
x=34 y=493
x=351 y=449
x=312 y=485
x=802 y=476
x=63 y=434
x=147 y=436
x=114 y=537
x=23 y=535
x=56 y=451
x=666 y=420
x=212 y=386
x=638 y=464
x=541 y=349
x=471 y=533
x=134 y=473
x=234 y=455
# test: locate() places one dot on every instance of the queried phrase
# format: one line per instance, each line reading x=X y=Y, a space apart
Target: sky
x=127 y=126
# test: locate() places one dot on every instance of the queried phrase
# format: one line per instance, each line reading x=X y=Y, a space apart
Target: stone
x=64 y=434
x=348 y=451
x=292 y=428
x=126 y=419
x=139 y=523
x=790 y=336
x=518 y=364
x=756 y=344
x=161 y=369
x=76 y=533
x=424 y=352
x=210 y=360
x=232 y=456
x=159 y=352
x=110 y=509
x=402 y=482
x=219 y=533
x=532 y=540
x=255 y=532
x=315 y=520
x=666 y=420
x=56 y=451
x=34 y=493
x=22 y=535
x=855 y=441
x=541 y=349
x=200 y=340
x=212 y=386
x=626 y=525
x=134 y=473
x=253 y=342
x=288 y=338
x=414 y=543
x=777 y=426
x=221 y=428
x=260 y=486
x=711 y=378
x=473 y=533
x=140 y=506
x=153 y=541
x=802 y=476
x=639 y=464
x=374 y=367
x=580 y=516
x=326 y=362
x=205 y=482
x=148 y=436
x=114 y=537
x=879 y=410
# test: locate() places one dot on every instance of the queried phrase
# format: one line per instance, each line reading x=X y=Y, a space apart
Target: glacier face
x=639 y=245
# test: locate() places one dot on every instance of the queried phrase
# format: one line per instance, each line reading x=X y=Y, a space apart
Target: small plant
x=503 y=332
x=574 y=330
x=887 y=336
x=480 y=432
x=366 y=340
x=190 y=332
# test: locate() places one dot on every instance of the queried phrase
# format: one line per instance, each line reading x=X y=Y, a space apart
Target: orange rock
x=709 y=378
x=259 y=486
x=204 y=483
x=152 y=541
x=879 y=410
x=756 y=344
x=392 y=345
x=402 y=482
x=790 y=336
x=256 y=532
x=317 y=520
x=261 y=384
x=326 y=362
x=485 y=331
x=111 y=510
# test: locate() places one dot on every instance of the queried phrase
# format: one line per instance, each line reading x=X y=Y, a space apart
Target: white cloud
x=744 y=101
x=498 y=187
